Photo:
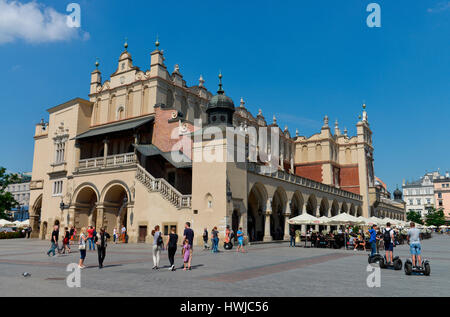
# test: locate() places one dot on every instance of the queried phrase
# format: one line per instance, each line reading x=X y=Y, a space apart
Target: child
x=186 y=253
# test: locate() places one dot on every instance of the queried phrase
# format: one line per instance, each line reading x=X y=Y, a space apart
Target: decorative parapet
x=166 y=189
x=38 y=184
x=118 y=160
x=306 y=182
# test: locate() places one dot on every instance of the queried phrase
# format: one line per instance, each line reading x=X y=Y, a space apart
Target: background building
x=419 y=194
x=21 y=193
x=109 y=162
x=442 y=194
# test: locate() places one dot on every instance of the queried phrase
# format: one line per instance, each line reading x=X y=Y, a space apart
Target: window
x=120 y=113
x=439 y=195
x=57 y=188
x=419 y=201
x=428 y=201
x=60 y=149
x=168 y=227
x=440 y=203
x=411 y=202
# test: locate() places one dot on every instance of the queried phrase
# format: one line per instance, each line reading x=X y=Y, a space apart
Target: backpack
x=159 y=240
x=387 y=236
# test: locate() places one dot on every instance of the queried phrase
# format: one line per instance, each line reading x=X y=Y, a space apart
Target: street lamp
x=63 y=206
x=229 y=196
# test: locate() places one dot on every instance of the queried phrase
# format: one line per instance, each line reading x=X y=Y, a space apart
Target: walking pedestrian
x=101 y=242
x=373 y=240
x=29 y=232
x=205 y=239
x=72 y=233
x=172 y=248
x=189 y=235
x=215 y=240
x=123 y=234
x=186 y=253
x=157 y=245
x=54 y=241
x=240 y=237
x=114 y=235
x=66 y=245
x=82 y=248
x=292 y=235
x=90 y=238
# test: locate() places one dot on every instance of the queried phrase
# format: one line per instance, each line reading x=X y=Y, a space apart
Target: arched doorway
x=359 y=211
x=255 y=215
x=296 y=208
x=352 y=210
x=115 y=208
x=344 y=208
x=85 y=208
x=334 y=212
x=323 y=211
x=35 y=219
x=311 y=207
x=277 y=218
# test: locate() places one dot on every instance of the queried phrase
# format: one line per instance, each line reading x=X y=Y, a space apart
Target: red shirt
x=90 y=233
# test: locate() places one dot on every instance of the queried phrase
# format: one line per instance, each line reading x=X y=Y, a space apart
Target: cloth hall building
x=108 y=161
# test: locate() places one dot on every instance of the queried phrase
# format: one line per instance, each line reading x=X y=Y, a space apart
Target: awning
x=152 y=150
x=115 y=127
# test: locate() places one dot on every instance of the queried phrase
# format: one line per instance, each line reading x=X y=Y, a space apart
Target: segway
x=424 y=269
x=396 y=265
x=376 y=258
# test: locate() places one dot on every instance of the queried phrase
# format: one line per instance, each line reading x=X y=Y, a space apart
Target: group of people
x=90 y=239
x=171 y=245
x=95 y=238
x=54 y=247
x=388 y=236
x=229 y=237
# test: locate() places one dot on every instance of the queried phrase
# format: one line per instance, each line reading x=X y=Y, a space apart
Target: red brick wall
x=162 y=131
x=313 y=172
x=349 y=178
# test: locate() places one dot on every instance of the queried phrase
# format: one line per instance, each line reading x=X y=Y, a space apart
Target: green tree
x=414 y=216
x=435 y=217
x=7 y=201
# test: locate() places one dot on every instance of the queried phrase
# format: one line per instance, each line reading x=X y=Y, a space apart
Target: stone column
x=131 y=224
x=34 y=223
x=267 y=213
x=71 y=221
x=100 y=216
x=105 y=151
x=329 y=215
x=317 y=214
x=304 y=212
x=77 y=154
x=287 y=214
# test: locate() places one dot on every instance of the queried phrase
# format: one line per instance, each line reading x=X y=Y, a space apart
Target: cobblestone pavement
x=266 y=270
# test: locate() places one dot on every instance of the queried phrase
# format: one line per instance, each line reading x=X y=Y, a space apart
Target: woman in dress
x=186 y=253
x=82 y=248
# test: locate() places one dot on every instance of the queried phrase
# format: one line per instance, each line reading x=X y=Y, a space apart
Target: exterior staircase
x=166 y=190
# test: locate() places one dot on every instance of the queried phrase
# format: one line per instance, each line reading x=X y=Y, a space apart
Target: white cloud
x=32 y=22
x=440 y=7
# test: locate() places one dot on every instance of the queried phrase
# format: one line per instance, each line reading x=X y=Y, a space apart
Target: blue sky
x=297 y=59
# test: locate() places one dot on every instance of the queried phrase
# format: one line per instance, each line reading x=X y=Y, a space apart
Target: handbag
x=82 y=247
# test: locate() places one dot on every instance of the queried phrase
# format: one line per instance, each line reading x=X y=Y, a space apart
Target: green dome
x=398 y=194
x=221 y=101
